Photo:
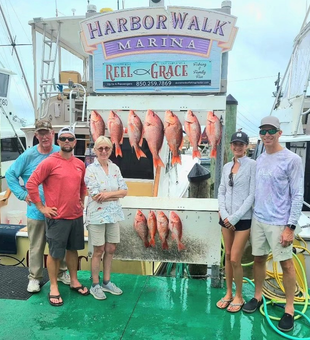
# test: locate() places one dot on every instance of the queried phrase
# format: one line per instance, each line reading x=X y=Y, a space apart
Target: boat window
x=11 y=148
x=303 y=150
x=4 y=84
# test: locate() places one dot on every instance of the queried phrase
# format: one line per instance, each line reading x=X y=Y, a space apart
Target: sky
x=262 y=47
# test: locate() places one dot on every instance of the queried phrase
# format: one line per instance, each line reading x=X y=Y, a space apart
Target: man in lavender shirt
x=277 y=208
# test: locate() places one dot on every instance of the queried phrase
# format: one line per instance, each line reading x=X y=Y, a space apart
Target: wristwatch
x=291 y=226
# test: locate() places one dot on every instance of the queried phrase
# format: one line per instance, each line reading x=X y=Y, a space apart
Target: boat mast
x=17 y=56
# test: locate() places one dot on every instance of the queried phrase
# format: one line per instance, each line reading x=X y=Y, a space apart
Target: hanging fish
x=97 y=125
x=134 y=130
x=115 y=127
x=193 y=131
x=174 y=135
x=214 y=132
x=175 y=227
x=152 y=225
x=163 y=229
x=141 y=228
x=154 y=134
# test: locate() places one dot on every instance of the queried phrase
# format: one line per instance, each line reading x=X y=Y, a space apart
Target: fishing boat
x=292 y=107
x=121 y=79
x=13 y=141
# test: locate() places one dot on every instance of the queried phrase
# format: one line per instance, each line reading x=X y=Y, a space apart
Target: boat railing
x=76 y=88
x=306 y=204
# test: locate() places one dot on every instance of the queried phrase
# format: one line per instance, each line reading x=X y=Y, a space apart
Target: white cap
x=66 y=129
x=270 y=120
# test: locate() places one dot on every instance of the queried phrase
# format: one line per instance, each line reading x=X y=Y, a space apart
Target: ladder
x=50 y=46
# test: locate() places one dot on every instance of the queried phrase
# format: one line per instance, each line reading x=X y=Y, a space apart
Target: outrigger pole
x=12 y=43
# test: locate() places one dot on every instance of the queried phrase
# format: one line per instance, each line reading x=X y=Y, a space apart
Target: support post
x=230 y=126
x=216 y=281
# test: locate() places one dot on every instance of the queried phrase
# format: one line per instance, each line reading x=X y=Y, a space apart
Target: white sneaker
x=33 y=286
x=64 y=278
x=111 y=288
x=97 y=292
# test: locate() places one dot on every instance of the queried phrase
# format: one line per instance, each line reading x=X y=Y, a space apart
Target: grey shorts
x=266 y=237
x=99 y=234
x=64 y=234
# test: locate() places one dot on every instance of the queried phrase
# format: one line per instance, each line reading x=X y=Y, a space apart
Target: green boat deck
x=151 y=307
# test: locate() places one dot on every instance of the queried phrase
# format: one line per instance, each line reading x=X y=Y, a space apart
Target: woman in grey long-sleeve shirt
x=236 y=197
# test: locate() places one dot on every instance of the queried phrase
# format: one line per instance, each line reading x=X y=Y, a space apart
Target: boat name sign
x=124 y=45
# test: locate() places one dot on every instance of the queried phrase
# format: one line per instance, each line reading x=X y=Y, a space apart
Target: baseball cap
x=66 y=129
x=240 y=136
x=43 y=125
x=270 y=120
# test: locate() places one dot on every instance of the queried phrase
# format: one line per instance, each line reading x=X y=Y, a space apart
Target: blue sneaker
x=97 y=292
x=111 y=288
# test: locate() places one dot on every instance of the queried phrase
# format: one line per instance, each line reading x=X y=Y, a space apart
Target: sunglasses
x=231 y=179
x=106 y=149
x=63 y=139
x=271 y=132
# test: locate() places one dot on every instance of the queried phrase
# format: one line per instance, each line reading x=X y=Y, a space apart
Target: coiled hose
x=274 y=290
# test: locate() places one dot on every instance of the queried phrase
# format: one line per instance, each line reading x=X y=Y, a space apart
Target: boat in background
x=292 y=107
x=66 y=96
x=13 y=139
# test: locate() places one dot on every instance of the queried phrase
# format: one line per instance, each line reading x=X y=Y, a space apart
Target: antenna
x=56 y=8
x=13 y=44
x=73 y=11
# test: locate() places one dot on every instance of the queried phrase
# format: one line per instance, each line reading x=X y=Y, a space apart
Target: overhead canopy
x=70 y=32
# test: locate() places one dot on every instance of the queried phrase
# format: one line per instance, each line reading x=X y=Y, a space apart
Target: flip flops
x=225 y=303
x=233 y=305
x=55 y=304
x=80 y=290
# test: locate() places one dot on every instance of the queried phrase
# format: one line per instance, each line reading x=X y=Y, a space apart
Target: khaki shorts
x=99 y=234
x=266 y=237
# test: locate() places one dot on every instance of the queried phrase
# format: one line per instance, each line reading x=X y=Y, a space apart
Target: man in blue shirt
x=277 y=208
x=22 y=168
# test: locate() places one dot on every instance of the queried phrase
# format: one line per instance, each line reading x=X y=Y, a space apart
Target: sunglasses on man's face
x=271 y=132
x=106 y=149
x=63 y=139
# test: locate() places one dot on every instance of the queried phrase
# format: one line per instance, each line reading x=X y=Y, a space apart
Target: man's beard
x=67 y=148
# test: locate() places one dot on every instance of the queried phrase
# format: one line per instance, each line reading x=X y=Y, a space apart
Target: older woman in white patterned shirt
x=105 y=186
x=236 y=198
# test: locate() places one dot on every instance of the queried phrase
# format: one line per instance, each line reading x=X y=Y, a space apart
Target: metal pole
x=17 y=56
x=35 y=84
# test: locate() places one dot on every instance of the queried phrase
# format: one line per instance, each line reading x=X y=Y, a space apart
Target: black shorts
x=241 y=225
x=64 y=234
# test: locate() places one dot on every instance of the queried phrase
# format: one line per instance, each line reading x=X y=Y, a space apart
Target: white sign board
x=201 y=234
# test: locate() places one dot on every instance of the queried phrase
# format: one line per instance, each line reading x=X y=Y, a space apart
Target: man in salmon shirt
x=62 y=176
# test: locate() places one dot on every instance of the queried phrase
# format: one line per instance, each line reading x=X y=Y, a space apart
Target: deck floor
x=150 y=308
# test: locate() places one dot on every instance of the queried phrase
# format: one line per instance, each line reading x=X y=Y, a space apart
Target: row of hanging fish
x=147 y=228
x=154 y=131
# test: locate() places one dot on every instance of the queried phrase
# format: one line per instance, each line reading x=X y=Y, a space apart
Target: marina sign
x=157 y=49
x=157 y=74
